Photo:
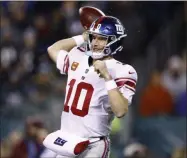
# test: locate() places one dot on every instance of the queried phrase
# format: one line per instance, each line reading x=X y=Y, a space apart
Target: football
x=88 y=15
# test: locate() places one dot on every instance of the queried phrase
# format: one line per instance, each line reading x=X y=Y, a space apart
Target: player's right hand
x=101 y=68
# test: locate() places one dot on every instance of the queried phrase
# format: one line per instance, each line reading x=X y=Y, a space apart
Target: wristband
x=110 y=85
x=79 y=40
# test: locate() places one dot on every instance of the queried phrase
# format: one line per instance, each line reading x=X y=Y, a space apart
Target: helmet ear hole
x=107 y=51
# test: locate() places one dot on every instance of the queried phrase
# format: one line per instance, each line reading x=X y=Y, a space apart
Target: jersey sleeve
x=126 y=80
x=76 y=52
x=62 y=62
x=65 y=59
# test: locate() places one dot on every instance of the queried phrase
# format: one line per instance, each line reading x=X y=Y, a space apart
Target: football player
x=98 y=88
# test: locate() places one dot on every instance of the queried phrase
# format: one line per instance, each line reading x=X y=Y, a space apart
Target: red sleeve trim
x=66 y=64
x=127 y=82
x=125 y=78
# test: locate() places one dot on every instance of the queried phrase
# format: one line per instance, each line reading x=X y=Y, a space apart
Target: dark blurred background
x=32 y=90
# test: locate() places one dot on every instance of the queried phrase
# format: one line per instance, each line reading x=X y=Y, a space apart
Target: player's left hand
x=100 y=68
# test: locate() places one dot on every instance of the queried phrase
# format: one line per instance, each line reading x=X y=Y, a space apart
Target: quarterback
x=98 y=88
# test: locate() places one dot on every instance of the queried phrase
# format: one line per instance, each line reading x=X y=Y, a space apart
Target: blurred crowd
x=165 y=92
x=32 y=90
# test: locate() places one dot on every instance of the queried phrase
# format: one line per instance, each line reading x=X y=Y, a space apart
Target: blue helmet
x=111 y=28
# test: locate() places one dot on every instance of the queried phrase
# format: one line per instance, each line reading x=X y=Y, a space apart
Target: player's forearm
x=119 y=104
x=65 y=44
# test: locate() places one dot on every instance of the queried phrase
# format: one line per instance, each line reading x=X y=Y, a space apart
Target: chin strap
x=97 y=55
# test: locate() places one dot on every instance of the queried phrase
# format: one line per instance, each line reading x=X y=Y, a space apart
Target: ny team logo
x=119 y=29
x=60 y=141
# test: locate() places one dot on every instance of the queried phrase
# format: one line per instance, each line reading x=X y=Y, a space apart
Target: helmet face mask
x=110 y=28
x=100 y=52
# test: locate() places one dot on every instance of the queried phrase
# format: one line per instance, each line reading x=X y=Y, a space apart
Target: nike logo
x=131 y=72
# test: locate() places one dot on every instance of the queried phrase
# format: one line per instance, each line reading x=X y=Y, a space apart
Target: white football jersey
x=87 y=111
